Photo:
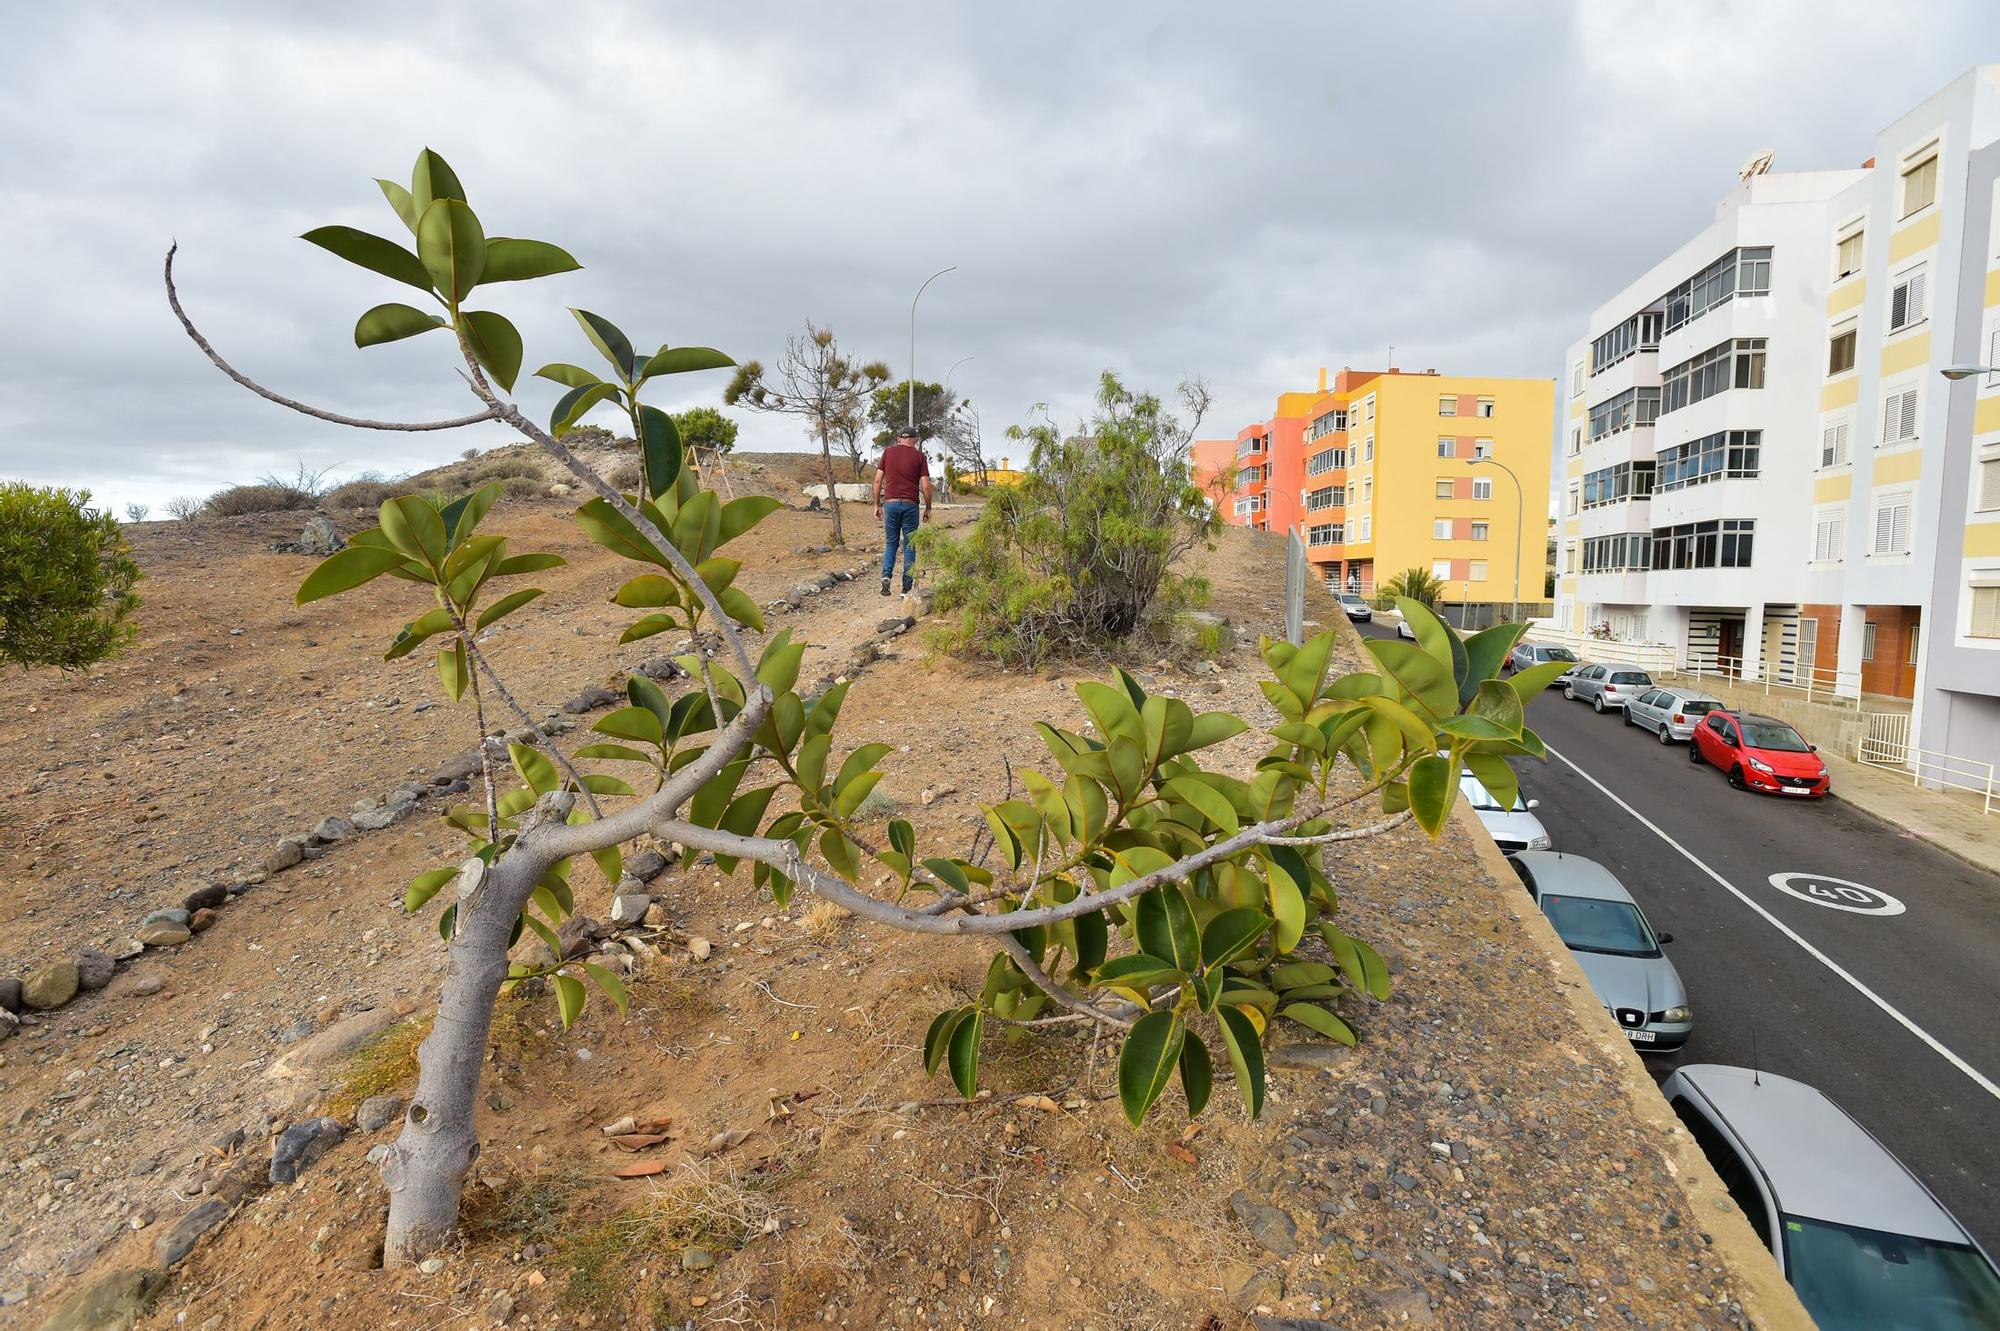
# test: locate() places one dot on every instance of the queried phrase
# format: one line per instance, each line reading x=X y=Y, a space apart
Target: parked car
x=1403 y=630
x=1863 y=1243
x=1511 y=829
x=1760 y=753
x=1671 y=714
x=1605 y=686
x=1357 y=609
x=1609 y=936
x=1527 y=654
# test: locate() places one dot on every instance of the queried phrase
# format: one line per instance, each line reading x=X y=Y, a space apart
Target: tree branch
x=173 y=299
x=548 y=742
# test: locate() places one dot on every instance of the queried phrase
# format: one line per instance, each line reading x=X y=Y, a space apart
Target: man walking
x=901 y=478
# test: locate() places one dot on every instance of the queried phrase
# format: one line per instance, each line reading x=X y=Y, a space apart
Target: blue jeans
x=899 y=524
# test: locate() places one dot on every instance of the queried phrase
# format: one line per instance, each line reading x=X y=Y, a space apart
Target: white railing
x=1836 y=688
x=1887 y=746
x=1653 y=657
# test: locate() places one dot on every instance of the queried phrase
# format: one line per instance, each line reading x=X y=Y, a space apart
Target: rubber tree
x=1135 y=887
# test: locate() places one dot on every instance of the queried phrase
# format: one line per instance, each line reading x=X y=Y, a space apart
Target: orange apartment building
x=1384 y=471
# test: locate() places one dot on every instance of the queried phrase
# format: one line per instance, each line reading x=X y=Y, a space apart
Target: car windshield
x=1556 y=654
x=1479 y=797
x=1631 y=677
x=1696 y=707
x=1865 y=1280
x=1589 y=924
x=1772 y=735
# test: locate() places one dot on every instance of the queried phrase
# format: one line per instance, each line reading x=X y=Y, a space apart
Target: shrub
x=500 y=469
x=706 y=430
x=65 y=579
x=1081 y=553
x=1417 y=584
x=263 y=497
x=136 y=512
x=185 y=507
x=363 y=492
x=625 y=477
x=522 y=487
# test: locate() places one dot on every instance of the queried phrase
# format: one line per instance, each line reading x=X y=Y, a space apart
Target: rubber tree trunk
x=426 y=1167
x=832 y=495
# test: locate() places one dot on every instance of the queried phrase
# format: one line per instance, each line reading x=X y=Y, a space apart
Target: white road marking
x=1979 y=1078
x=1837 y=893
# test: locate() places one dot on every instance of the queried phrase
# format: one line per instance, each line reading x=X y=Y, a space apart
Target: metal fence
x=1885 y=743
x=1296 y=573
x=1835 y=688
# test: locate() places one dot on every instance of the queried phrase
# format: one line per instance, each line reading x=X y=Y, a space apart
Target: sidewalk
x=1948 y=820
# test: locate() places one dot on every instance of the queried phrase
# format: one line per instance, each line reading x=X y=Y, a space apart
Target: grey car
x=1357 y=609
x=1527 y=654
x=1602 y=686
x=1865 y=1245
x=1671 y=714
x=1609 y=936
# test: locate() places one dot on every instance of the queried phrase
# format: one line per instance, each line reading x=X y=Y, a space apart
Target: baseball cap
x=907 y=432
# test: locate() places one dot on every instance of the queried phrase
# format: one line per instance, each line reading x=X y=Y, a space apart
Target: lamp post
x=1956 y=372
x=912 y=380
x=1519 y=517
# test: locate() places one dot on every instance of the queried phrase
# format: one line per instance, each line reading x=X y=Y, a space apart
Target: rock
x=134 y=986
x=576 y=935
x=165 y=935
x=699 y=948
x=629 y=908
x=1216 y=634
x=207 y=898
x=378 y=1112
x=696 y=1259
x=10 y=994
x=662 y=667
x=1410 y=1307
x=179 y=1241
x=49 y=986
x=319 y=537
x=333 y=828
x=1306 y=1057
x=9 y=1024
x=129 y=950
x=456 y=769
x=283 y=856
x=896 y=625
x=1274 y=1230
x=501 y=1308
x=388 y=815
x=110 y=1303
x=167 y=915
x=1293 y=1324
x=337 y=1041
x=94 y=968
x=646 y=865
x=200 y=920
x=430 y=1266
x=592 y=699
x=657 y=916
x=301 y=1144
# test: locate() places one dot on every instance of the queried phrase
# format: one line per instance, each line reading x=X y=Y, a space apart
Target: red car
x=1760 y=753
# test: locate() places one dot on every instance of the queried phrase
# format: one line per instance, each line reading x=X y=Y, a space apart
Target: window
x=1480 y=530
x=1331 y=459
x=1368 y=405
x=1627 y=552
x=1367 y=488
x=1920 y=185
x=1840 y=352
x=1445 y=489
x=1484 y=407
x=1368 y=449
x=1576 y=439
x=1833 y=444
x=1476 y=571
x=1482 y=448
x=1989 y=484
x=1726 y=453
x=1899 y=416
x=1847 y=255
x=1724 y=543
x=1868 y=641
x=1829 y=536
x=1327 y=533
x=1808 y=641
x=1906 y=298
x=1634 y=406
x=1569 y=557
x=1741 y=272
x=1892 y=523
x=1729 y=1166
x=1441 y=569
x=1448 y=404
x=1447 y=447
x=1367 y=524
x=1327 y=496
x=1441 y=529
x=1985 y=610
x=1330 y=423
x=1913 y=637
x=1572 y=500
x=1482 y=488
x=1735 y=364
x=1617 y=483
x=1576 y=379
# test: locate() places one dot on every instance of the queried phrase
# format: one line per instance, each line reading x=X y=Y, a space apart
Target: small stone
x=110 y=1303
x=49 y=986
x=646 y=865
x=167 y=915
x=590 y=700
x=333 y=828
x=699 y=948
x=94 y=968
x=1273 y=1229
x=179 y=1241
x=1306 y=1057
x=629 y=908
x=430 y=1266
x=134 y=986
x=378 y=1112
x=10 y=1025
x=207 y=898
x=696 y=1259
x=379 y=1152
x=200 y=920
x=387 y=815
x=657 y=916
x=302 y=1144
x=10 y=994
x=164 y=935
x=501 y=1308
x=283 y=856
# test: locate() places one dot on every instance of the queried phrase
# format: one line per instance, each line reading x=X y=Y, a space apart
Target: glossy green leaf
x=1231 y=934
x=1138 y=971
x=1528 y=684
x=393 y=323
x=463 y=515
x=425 y=886
x=938 y=1038
x=609 y=341
x=613 y=987
x=569 y=999
x=1485 y=653
x=447 y=920
x=841 y=854
x=452 y=247
x=1212 y=728
x=1288 y=908
x=528 y=563
x=346 y=570
x=569 y=376
x=415 y=633
x=496 y=343
x=659 y=450
x=1306 y=670
x=1112 y=711
x=572 y=406
x=1426 y=679
x=950 y=874
x=413 y=526
x=1197 y=1074
x=1433 y=786
x=511 y=260
x=1210 y=802
x=1317 y=1018
x=535 y=768
x=399 y=199
x=612 y=530
x=963 y=1053
x=1497 y=775
x=1165 y=927
x=1495 y=701
x=452 y=672
x=1093 y=937
x=505 y=606
x=1361 y=964
x=1146 y=1063
x=432 y=179
x=1246 y=1054
x=680 y=360
x=373 y=253
x=1436 y=638
x=859 y=761
x=740 y=515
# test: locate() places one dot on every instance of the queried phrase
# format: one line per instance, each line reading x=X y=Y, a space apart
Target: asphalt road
x=1761 y=997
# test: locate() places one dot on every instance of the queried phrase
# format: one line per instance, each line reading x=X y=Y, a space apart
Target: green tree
x=706 y=430
x=816 y=382
x=889 y=410
x=1417 y=584
x=1133 y=887
x=66 y=579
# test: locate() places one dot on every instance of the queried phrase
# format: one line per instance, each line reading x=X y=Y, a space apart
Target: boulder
x=200 y=920
x=110 y=1303
x=629 y=908
x=646 y=865
x=387 y=815
x=49 y=986
x=283 y=856
x=337 y=1041
x=179 y=1241
x=130 y=985
x=300 y=1145
x=165 y=934
x=592 y=699
x=333 y=828
x=94 y=968
x=378 y=1112
x=207 y=898
x=10 y=994
x=319 y=537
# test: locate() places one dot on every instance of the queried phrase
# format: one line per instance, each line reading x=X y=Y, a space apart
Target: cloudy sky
x=1242 y=192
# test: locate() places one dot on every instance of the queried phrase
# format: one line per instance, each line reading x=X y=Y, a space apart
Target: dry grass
x=363 y=492
x=709 y=1205
x=383 y=1064
x=238 y=500
x=822 y=921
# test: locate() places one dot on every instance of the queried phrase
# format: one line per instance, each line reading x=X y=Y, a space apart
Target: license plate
x=1796 y=790
x=1639 y=1037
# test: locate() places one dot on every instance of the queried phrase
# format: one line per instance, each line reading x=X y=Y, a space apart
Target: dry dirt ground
x=1470 y=1164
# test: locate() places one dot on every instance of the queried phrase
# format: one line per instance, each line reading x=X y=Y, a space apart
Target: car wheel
x=1736 y=779
x=1625 y=714
x=1694 y=753
x=1665 y=738
x=1597 y=704
x=1569 y=693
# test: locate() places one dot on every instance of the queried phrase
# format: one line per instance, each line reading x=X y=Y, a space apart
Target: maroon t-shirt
x=903 y=470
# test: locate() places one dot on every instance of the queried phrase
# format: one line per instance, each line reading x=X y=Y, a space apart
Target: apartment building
x=1381 y=471
x=1764 y=465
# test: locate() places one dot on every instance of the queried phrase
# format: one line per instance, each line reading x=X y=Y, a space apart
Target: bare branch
x=1345 y=834
x=493 y=677
x=173 y=299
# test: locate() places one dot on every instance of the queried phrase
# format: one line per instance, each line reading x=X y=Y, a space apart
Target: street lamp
x=1519 y=518
x=912 y=381
x=1967 y=371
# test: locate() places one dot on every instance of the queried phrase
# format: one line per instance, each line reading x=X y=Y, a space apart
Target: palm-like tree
x=1419 y=584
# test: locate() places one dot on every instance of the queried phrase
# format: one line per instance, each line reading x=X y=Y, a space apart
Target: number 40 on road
x=1837 y=893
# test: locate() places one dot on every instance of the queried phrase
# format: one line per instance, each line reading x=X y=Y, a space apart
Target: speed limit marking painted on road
x=1837 y=893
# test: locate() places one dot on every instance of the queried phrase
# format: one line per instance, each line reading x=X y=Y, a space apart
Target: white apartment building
x=1812 y=495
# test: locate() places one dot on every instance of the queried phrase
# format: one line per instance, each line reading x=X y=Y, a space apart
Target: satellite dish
x=1757 y=165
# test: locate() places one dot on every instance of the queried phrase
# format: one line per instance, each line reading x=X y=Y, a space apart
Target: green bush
x=363 y=492
x=66 y=579
x=1416 y=584
x=1081 y=553
x=263 y=497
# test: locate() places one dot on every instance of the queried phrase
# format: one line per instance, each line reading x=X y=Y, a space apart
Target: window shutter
x=1884 y=528
x=1909 y=421
x=1916 y=310
x=1989 y=484
x=1899 y=416
x=1899 y=305
x=1993 y=357
x=1900 y=535
x=1985 y=613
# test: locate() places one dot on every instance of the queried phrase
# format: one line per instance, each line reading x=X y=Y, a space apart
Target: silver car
x=1537 y=653
x=1608 y=934
x=1605 y=686
x=1357 y=609
x=1512 y=830
x=1671 y=714
x=1864 y=1244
